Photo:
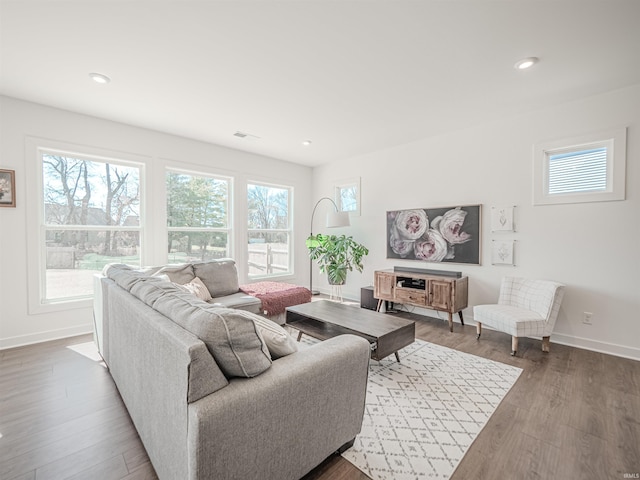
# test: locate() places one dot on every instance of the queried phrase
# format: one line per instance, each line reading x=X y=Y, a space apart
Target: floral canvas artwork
x=443 y=235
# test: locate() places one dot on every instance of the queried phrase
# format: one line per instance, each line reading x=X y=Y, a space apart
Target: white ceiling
x=352 y=76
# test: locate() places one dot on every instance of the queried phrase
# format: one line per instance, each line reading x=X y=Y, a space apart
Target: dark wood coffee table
x=325 y=319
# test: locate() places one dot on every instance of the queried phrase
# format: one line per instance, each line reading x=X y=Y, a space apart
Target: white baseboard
x=49 y=335
x=597 y=346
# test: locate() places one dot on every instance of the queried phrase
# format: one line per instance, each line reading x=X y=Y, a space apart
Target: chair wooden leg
x=514 y=345
x=545 y=344
x=478 y=330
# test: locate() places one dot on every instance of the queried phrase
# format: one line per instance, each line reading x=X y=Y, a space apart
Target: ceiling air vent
x=247 y=136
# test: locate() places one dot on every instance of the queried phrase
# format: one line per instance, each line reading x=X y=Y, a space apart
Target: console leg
x=450 y=322
x=461 y=319
x=478 y=330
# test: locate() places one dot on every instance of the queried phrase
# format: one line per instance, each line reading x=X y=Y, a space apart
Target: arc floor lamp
x=335 y=219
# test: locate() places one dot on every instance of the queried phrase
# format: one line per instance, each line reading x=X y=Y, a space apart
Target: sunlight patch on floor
x=89 y=350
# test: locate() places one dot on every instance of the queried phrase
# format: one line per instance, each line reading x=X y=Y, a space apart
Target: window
x=269 y=230
x=90 y=217
x=585 y=169
x=197 y=217
x=347 y=196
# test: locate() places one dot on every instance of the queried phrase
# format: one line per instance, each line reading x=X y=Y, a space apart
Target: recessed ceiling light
x=526 y=63
x=99 y=78
x=306 y=143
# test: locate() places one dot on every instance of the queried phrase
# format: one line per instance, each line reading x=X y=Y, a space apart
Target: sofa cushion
x=180 y=274
x=239 y=300
x=278 y=340
x=124 y=275
x=230 y=335
x=220 y=276
x=153 y=288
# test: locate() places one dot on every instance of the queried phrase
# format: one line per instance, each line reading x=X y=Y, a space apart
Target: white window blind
x=589 y=168
x=579 y=171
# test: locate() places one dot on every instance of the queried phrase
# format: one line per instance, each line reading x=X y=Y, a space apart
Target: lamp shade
x=338 y=219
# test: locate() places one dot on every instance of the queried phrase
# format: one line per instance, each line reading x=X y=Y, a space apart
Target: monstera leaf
x=336 y=255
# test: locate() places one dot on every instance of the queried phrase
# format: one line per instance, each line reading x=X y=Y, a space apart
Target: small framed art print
x=7 y=188
x=502 y=252
x=502 y=219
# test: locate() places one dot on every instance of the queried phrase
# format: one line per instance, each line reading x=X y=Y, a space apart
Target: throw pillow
x=230 y=335
x=198 y=288
x=278 y=340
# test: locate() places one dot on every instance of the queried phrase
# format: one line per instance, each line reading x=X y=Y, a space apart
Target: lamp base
x=315 y=292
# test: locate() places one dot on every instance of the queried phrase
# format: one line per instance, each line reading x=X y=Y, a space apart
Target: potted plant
x=336 y=255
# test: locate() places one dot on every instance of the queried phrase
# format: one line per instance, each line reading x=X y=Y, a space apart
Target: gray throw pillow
x=278 y=340
x=230 y=335
x=219 y=276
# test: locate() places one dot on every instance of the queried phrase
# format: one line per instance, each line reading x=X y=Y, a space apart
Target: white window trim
x=230 y=200
x=35 y=211
x=616 y=142
x=290 y=230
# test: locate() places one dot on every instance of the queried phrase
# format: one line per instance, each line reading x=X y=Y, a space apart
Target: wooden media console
x=441 y=293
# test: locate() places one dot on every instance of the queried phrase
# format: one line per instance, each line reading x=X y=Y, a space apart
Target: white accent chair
x=526 y=308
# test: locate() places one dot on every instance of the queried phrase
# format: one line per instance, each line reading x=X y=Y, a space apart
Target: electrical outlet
x=587 y=318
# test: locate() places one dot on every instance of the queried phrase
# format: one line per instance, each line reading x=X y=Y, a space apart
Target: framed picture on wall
x=7 y=188
x=443 y=235
x=502 y=252
x=502 y=219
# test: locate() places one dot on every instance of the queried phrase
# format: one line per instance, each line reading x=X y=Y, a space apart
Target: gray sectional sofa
x=221 y=393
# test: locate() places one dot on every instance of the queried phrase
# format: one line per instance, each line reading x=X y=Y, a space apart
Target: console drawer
x=410 y=295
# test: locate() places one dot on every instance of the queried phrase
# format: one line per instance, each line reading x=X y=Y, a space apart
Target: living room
x=486 y=159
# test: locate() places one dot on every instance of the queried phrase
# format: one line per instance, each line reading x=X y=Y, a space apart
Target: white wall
x=20 y=121
x=591 y=247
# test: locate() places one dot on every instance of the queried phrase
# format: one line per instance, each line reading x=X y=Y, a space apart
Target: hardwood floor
x=572 y=414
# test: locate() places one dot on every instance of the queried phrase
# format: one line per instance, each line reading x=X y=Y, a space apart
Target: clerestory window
x=585 y=169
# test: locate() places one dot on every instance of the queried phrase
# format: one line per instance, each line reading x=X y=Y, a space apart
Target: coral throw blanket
x=276 y=296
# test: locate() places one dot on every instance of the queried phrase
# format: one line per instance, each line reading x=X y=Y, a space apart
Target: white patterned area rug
x=423 y=414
